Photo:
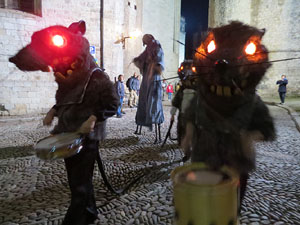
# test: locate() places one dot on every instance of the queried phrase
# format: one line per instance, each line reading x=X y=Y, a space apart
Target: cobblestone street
x=33 y=191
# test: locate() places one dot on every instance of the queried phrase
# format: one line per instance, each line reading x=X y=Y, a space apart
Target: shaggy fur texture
x=227 y=115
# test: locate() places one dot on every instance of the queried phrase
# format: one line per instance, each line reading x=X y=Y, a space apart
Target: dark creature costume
x=84 y=92
x=226 y=115
x=184 y=95
x=151 y=64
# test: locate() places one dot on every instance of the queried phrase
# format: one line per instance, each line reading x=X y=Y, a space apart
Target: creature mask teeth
x=244 y=83
x=238 y=91
x=219 y=90
x=212 y=88
x=66 y=59
x=46 y=69
x=69 y=72
x=55 y=62
x=73 y=65
x=59 y=75
x=227 y=91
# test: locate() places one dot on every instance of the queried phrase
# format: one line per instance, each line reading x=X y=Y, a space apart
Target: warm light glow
x=194 y=69
x=211 y=46
x=58 y=40
x=135 y=34
x=250 y=49
x=181 y=68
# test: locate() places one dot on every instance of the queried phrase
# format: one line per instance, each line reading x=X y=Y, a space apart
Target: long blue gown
x=150 y=63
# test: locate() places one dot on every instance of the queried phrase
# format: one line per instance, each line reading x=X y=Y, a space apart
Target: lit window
x=29 y=6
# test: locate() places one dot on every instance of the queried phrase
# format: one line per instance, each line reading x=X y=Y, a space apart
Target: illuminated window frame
x=29 y=6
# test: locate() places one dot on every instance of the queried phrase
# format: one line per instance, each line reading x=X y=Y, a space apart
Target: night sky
x=196 y=17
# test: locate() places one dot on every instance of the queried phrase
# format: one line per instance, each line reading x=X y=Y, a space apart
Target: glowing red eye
x=58 y=41
x=211 y=46
x=250 y=49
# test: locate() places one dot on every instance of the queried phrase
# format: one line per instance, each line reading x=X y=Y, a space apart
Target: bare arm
x=88 y=125
x=47 y=121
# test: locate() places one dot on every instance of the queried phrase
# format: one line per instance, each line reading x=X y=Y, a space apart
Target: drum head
x=58 y=146
x=203 y=177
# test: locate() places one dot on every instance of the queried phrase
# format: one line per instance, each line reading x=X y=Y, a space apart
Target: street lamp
x=132 y=35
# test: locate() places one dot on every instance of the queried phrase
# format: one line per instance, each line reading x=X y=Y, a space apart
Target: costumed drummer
x=83 y=105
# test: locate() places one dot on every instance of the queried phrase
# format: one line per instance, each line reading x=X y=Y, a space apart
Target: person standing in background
x=170 y=91
x=121 y=94
x=282 y=88
x=133 y=88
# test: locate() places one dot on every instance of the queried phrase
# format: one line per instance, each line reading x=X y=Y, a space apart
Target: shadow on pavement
x=142 y=154
x=118 y=143
x=17 y=151
x=34 y=201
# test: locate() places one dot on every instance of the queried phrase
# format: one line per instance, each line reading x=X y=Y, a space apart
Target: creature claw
x=70 y=72
x=59 y=75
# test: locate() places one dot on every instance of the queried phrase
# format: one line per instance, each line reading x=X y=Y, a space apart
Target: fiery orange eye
x=211 y=46
x=250 y=49
x=194 y=69
x=58 y=41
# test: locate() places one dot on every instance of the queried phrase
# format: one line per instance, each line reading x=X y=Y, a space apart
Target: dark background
x=196 y=18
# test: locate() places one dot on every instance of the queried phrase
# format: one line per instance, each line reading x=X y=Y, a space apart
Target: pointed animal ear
x=262 y=32
x=78 y=27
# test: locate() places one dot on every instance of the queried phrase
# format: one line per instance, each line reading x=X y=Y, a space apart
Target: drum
x=59 y=146
x=205 y=197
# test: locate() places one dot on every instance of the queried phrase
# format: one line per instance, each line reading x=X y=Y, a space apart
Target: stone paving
x=33 y=191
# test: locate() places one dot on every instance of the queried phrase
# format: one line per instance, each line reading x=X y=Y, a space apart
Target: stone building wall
x=161 y=18
x=282 y=38
x=167 y=11
x=121 y=18
x=30 y=92
x=182 y=40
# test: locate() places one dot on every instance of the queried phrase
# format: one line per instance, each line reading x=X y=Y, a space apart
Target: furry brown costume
x=227 y=115
x=84 y=99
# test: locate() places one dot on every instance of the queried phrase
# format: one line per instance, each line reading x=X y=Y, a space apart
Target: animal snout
x=221 y=66
x=13 y=59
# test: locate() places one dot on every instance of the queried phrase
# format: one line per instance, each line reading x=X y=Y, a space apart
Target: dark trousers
x=243 y=185
x=282 y=96
x=119 y=112
x=80 y=167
